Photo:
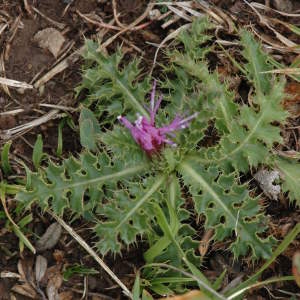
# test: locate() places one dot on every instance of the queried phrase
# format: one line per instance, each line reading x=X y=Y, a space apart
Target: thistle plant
x=134 y=176
x=147 y=135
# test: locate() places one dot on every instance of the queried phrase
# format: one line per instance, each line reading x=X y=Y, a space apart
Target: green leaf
x=228 y=209
x=37 y=154
x=111 y=87
x=257 y=63
x=25 y=220
x=218 y=282
x=291 y=176
x=23 y=240
x=78 y=269
x=121 y=143
x=253 y=133
x=59 y=148
x=67 y=184
x=90 y=130
x=136 y=290
x=5 y=158
x=290 y=237
x=128 y=214
x=146 y=296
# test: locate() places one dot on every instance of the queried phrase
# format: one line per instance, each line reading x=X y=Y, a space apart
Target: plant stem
x=284 y=244
x=199 y=281
x=265 y=282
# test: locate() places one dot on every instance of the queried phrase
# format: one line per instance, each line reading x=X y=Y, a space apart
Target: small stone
x=283 y=5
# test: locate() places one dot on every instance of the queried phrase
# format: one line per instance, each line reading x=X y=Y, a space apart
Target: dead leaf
x=58 y=255
x=25 y=289
x=25 y=270
x=8 y=274
x=40 y=267
x=50 y=238
x=66 y=296
x=205 y=241
x=50 y=39
x=52 y=287
x=55 y=280
x=296 y=267
x=265 y=179
x=192 y=295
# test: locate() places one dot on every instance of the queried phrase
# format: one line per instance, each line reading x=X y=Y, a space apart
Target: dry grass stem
x=15 y=83
x=3 y=27
x=12 y=112
x=72 y=58
x=92 y=253
x=97 y=23
x=264 y=7
x=171 y=36
x=9 y=133
x=55 y=23
x=2 y=71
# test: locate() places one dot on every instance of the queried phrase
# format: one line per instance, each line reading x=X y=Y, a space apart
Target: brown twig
x=55 y=23
x=27 y=8
x=2 y=71
x=67 y=7
x=14 y=30
x=100 y=24
x=86 y=247
x=116 y=15
x=131 y=27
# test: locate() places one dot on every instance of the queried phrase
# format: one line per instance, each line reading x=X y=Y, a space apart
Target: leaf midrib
x=244 y=142
x=116 y=175
x=187 y=168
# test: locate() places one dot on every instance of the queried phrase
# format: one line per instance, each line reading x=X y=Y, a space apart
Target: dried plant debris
x=50 y=39
x=37 y=280
x=283 y=5
x=49 y=238
x=266 y=180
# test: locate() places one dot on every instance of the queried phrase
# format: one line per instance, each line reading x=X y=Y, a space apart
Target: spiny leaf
x=68 y=184
x=219 y=100
x=257 y=63
x=89 y=129
x=127 y=214
x=120 y=142
x=253 y=133
x=228 y=209
x=111 y=87
x=291 y=176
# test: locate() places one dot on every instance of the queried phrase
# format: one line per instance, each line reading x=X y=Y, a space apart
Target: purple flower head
x=147 y=135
